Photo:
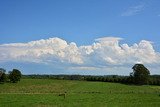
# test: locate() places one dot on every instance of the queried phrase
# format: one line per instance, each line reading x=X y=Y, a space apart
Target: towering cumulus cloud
x=105 y=52
x=52 y=50
x=108 y=51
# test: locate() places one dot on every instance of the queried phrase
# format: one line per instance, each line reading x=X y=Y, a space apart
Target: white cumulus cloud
x=107 y=51
x=104 y=52
x=42 y=51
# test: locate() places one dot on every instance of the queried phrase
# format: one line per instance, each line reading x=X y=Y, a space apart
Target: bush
x=15 y=75
x=2 y=75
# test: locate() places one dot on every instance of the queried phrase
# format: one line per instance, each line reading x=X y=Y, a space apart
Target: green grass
x=45 y=93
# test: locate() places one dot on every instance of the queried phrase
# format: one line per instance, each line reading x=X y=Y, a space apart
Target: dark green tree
x=15 y=75
x=140 y=74
x=2 y=75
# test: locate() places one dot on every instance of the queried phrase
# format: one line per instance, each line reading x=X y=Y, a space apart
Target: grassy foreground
x=45 y=93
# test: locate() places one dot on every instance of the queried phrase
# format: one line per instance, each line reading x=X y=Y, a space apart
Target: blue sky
x=79 y=21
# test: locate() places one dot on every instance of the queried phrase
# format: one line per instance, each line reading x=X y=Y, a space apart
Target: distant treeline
x=139 y=76
x=154 y=79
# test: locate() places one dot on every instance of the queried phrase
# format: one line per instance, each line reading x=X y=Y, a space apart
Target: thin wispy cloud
x=134 y=10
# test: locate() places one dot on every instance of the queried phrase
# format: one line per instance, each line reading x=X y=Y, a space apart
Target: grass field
x=45 y=93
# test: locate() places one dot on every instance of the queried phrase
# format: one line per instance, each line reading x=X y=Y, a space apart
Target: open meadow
x=45 y=93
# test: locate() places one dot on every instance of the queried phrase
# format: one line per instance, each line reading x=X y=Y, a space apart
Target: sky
x=89 y=37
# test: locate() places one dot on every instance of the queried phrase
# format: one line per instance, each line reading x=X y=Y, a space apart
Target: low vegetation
x=50 y=93
x=60 y=91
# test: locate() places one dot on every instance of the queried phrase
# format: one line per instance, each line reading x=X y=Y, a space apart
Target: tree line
x=139 y=76
x=13 y=76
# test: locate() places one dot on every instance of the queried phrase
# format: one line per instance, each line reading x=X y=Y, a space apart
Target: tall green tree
x=15 y=75
x=2 y=75
x=140 y=74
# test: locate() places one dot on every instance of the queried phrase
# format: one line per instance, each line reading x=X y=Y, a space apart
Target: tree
x=140 y=74
x=2 y=75
x=15 y=75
